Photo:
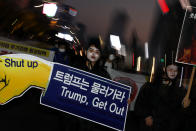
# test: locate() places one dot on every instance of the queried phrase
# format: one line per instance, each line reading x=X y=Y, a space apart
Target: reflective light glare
x=66 y=27
x=38 y=6
x=163 y=5
x=181 y=77
x=56 y=19
x=146 y=50
x=115 y=42
x=138 y=63
x=133 y=60
x=50 y=9
x=65 y=36
x=101 y=41
x=72 y=32
x=122 y=50
x=81 y=54
x=72 y=12
x=77 y=40
x=165 y=60
x=153 y=69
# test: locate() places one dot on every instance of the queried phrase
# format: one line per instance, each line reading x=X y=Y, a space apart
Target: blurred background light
x=146 y=50
x=64 y=36
x=50 y=9
x=115 y=42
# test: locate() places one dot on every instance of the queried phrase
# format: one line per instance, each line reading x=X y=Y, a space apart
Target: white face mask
x=93 y=54
x=111 y=57
x=61 y=50
x=172 y=71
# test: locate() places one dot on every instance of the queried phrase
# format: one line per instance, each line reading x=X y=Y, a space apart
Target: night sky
x=96 y=15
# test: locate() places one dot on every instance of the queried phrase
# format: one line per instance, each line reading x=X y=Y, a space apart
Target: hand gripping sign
x=65 y=88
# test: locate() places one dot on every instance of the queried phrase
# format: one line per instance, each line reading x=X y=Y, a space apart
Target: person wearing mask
x=168 y=111
x=109 y=63
x=93 y=63
x=159 y=103
x=61 y=55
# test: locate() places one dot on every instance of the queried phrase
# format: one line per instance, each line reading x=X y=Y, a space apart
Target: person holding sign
x=191 y=111
x=20 y=90
x=92 y=61
x=92 y=64
x=159 y=103
x=189 y=103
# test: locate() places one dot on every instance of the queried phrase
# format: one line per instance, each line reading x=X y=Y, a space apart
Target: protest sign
x=88 y=96
x=186 y=51
x=65 y=88
x=12 y=47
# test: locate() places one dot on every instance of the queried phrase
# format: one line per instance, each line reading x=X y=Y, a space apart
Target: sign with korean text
x=7 y=47
x=88 y=96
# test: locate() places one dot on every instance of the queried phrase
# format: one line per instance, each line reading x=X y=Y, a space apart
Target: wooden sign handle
x=190 y=83
x=186 y=101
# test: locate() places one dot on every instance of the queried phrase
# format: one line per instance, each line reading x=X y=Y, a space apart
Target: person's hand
x=14 y=81
x=186 y=102
x=149 y=121
x=184 y=4
x=129 y=101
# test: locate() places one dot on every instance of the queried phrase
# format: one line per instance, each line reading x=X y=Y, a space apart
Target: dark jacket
x=60 y=57
x=26 y=113
x=97 y=69
x=163 y=103
x=190 y=124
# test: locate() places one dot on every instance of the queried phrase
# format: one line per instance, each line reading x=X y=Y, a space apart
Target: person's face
x=62 y=48
x=172 y=71
x=93 y=53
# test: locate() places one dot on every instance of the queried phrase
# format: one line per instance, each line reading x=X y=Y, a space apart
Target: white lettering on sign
x=73 y=95
x=117 y=110
x=100 y=104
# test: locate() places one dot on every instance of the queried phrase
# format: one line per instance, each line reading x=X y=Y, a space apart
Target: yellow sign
x=20 y=72
x=24 y=49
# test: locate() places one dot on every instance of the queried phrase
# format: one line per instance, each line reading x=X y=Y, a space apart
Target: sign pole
x=186 y=100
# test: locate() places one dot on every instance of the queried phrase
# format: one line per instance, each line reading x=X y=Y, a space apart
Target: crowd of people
x=159 y=105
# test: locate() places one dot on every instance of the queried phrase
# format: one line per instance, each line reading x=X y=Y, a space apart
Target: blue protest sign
x=87 y=96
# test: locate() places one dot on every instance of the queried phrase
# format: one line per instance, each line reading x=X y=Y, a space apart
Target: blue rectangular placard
x=87 y=96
